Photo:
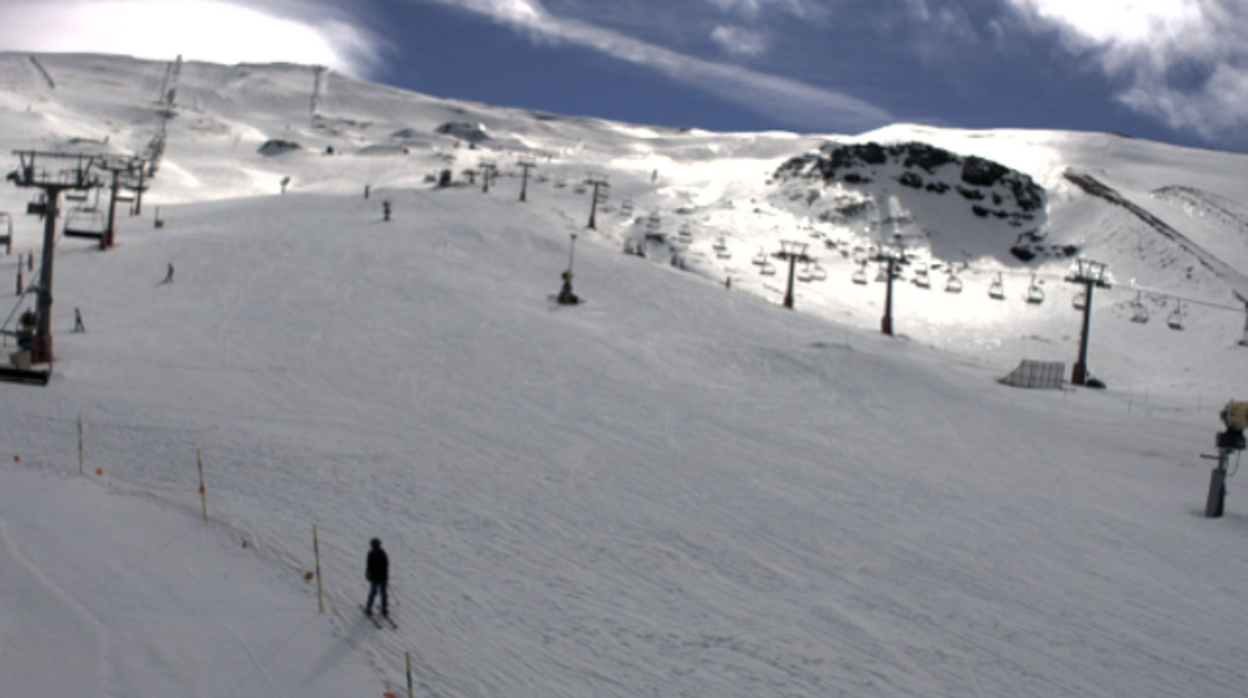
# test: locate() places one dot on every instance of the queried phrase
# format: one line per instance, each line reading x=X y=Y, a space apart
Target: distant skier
x=367 y=188
x=78 y=326
x=169 y=274
x=377 y=574
x=385 y=207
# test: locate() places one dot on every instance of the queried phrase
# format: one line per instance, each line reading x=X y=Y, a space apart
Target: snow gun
x=1235 y=417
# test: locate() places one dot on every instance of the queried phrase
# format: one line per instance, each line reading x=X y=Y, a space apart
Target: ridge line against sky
x=1170 y=70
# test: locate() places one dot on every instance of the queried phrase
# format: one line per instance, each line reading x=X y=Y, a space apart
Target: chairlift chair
x=767 y=269
x=860 y=275
x=6 y=227
x=761 y=258
x=1139 y=312
x=1035 y=294
x=818 y=273
x=37 y=206
x=804 y=274
x=882 y=273
x=953 y=284
x=85 y=223
x=72 y=195
x=922 y=279
x=685 y=235
x=996 y=290
x=1175 y=321
x=1080 y=301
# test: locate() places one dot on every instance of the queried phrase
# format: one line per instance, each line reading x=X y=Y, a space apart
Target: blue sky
x=1168 y=70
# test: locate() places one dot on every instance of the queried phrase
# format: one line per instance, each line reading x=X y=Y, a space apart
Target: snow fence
x=1043 y=375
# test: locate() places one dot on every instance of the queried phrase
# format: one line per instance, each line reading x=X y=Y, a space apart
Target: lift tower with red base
x=79 y=177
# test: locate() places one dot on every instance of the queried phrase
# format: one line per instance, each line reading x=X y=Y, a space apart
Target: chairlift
x=761 y=258
x=767 y=269
x=860 y=275
x=953 y=284
x=685 y=235
x=804 y=274
x=1139 y=312
x=6 y=220
x=1080 y=301
x=881 y=273
x=1175 y=321
x=1035 y=294
x=72 y=195
x=921 y=278
x=996 y=290
x=37 y=206
x=818 y=273
x=85 y=223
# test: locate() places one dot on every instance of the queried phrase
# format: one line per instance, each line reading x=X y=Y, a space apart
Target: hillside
x=673 y=489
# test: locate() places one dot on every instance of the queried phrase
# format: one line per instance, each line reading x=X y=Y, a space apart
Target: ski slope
x=673 y=489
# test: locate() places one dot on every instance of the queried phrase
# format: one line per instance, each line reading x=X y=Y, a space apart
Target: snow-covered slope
x=673 y=489
x=720 y=188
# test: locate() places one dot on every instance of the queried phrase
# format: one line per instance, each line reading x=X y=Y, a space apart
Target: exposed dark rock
x=969 y=194
x=937 y=187
x=1024 y=254
x=927 y=157
x=981 y=172
x=277 y=146
x=910 y=179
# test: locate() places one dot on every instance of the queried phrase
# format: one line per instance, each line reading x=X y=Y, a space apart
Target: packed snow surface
x=674 y=489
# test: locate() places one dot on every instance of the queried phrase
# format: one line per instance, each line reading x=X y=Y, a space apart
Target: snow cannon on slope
x=1235 y=417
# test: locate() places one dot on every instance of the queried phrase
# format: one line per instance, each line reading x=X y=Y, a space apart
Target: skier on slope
x=377 y=574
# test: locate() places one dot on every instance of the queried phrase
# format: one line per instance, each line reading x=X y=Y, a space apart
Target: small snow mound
x=464 y=130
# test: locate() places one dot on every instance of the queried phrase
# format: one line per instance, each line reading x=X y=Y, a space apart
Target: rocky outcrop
x=995 y=190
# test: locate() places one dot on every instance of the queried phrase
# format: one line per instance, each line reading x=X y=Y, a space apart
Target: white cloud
x=296 y=31
x=739 y=40
x=751 y=9
x=1185 y=62
x=786 y=100
x=1118 y=21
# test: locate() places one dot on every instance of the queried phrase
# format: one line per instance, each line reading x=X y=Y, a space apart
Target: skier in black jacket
x=377 y=574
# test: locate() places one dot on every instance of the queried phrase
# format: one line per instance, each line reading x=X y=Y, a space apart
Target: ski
x=371 y=617
x=391 y=622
